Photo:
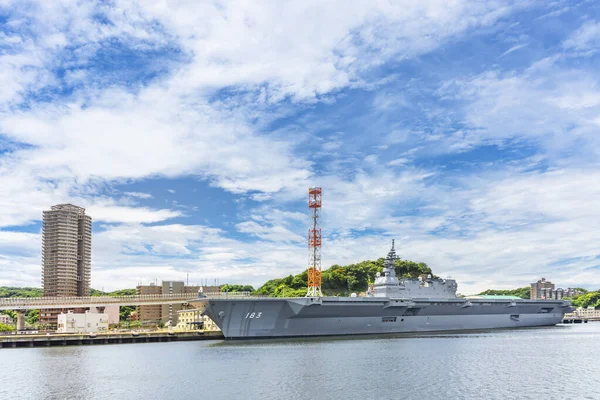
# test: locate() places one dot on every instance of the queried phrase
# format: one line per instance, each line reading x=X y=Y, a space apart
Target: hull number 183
x=254 y=315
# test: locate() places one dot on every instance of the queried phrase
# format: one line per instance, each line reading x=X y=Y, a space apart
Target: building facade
x=539 y=289
x=112 y=312
x=169 y=311
x=192 y=320
x=86 y=322
x=149 y=314
x=166 y=313
x=6 y=319
x=66 y=255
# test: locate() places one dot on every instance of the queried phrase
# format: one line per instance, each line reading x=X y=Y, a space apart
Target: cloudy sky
x=191 y=130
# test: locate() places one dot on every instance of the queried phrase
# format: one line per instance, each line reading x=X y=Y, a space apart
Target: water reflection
x=505 y=364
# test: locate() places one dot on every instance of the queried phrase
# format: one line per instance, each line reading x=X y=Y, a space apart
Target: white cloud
x=584 y=40
x=138 y=195
x=513 y=49
x=398 y=161
x=499 y=228
x=546 y=104
x=108 y=213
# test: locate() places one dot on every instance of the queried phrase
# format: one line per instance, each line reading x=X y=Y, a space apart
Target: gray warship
x=393 y=305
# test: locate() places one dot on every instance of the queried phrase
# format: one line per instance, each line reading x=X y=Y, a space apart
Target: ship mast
x=314 y=243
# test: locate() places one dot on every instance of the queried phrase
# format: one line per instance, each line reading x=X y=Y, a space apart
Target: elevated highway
x=40 y=303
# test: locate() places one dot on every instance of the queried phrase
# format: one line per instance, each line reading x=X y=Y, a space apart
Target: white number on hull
x=254 y=315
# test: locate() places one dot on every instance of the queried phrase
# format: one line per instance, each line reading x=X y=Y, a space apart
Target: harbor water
x=537 y=363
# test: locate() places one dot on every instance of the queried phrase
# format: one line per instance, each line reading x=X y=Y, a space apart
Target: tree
x=6 y=328
x=32 y=317
x=135 y=324
x=9 y=291
x=339 y=280
x=523 y=292
x=588 y=299
x=125 y=312
x=227 y=288
x=10 y=313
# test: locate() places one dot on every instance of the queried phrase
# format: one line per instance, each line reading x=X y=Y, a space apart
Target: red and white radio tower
x=314 y=243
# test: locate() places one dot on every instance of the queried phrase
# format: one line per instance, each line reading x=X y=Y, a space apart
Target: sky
x=190 y=131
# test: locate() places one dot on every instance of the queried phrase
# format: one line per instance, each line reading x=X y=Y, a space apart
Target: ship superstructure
x=394 y=305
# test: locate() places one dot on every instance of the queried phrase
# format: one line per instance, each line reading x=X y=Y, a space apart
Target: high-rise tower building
x=66 y=254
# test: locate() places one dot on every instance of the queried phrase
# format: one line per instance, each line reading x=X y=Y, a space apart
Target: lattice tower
x=314 y=242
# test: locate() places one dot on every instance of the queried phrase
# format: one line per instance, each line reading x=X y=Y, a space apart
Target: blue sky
x=467 y=131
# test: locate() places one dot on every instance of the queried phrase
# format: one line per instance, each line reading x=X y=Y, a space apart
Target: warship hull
x=246 y=318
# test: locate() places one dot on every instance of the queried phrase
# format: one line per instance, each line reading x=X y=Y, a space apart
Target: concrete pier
x=43 y=340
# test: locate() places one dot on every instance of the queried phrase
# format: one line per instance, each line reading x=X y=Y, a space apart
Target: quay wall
x=18 y=341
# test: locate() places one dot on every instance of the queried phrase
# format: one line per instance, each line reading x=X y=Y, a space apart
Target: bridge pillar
x=20 y=320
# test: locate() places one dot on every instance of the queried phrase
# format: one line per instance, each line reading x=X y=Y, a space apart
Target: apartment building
x=166 y=313
x=66 y=255
x=149 y=313
x=540 y=289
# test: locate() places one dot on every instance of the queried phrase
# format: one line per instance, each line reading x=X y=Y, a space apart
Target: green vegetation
x=32 y=317
x=236 y=288
x=135 y=324
x=587 y=299
x=125 y=312
x=340 y=280
x=523 y=292
x=8 y=291
x=6 y=328
x=120 y=292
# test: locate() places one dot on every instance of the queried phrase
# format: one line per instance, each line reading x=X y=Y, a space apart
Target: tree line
x=341 y=280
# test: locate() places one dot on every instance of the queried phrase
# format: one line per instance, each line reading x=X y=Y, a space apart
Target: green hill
x=9 y=291
x=340 y=280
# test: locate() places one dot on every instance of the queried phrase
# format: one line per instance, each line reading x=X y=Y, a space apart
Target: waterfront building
x=112 y=312
x=539 y=290
x=6 y=319
x=587 y=313
x=86 y=322
x=191 y=319
x=149 y=314
x=169 y=311
x=166 y=313
x=66 y=255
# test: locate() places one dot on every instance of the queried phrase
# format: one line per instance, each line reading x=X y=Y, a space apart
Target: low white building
x=6 y=319
x=589 y=312
x=111 y=311
x=82 y=323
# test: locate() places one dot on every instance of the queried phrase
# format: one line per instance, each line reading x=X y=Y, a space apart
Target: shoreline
x=29 y=341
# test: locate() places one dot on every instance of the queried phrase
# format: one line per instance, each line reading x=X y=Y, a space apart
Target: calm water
x=561 y=362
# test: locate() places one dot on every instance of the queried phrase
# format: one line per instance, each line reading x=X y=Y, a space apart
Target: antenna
x=314 y=242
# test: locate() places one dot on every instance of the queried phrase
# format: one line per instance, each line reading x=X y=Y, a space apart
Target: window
x=388 y=319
